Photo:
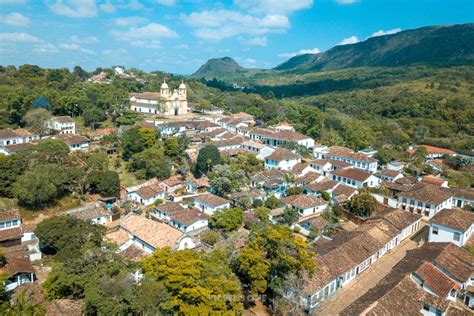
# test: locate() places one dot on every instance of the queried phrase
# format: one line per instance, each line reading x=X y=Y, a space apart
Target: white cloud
x=283 y=7
x=221 y=24
x=84 y=40
x=130 y=21
x=300 y=52
x=107 y=7
x=146 y=44
x=18 y=37
x=388 y=32
x=151 y=31
x=73 y=8
x=132 y=5
x=350 y=40
x=76 y=48
x=16 y=19
x=168 y=3
x=256 y=41
x=114 y=53
x=346 y=1
x=45 y=48
x=12 y=1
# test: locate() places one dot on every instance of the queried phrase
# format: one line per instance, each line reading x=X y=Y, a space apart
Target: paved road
x=365 y=281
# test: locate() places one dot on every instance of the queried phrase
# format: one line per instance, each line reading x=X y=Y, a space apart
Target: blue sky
x=179 y=35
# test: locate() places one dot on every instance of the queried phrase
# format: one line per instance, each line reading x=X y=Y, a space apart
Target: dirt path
x=365 y=281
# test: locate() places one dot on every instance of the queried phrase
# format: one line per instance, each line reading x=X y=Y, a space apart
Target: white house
x=425 y=199
x=11 y=149
x=282 y=159
x=355 y=178
x=284 y=126
x=229 y=143
x=395 y=165
x=358 y=160
x=189 y=220
x=95 y=214
x=260 y=150
x=19 y=271
x=146 y=195
x=62 y=125
x=284 y=136
x=462 y=197
x=389 y=175
x=149 y=235
x=74 y=141
x=451 y=225
x=315 y=189
x=209 y=203
x=306 y=204
x=10 y=136
x=321 y=166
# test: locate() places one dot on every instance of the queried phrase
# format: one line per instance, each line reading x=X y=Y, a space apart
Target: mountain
x=445 y=45
x=218 y=67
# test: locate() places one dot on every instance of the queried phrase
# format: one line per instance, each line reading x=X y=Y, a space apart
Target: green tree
x=294 y=190
x=262 y=213
x=289 y=216
x=210 y=237
x=37 y=119
x=227 y=219
x=136 y=140
x=224 y=180
x=103 y=182
x=272 y=203
x=208 y=157
x=98 y=161
x=151 y=163
x=363 y=204
x=10 y=170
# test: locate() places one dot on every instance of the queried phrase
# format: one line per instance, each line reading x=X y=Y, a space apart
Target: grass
x=59 y=206
x=127 y=179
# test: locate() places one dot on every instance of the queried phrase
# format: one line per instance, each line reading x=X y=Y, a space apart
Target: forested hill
x=218 y=67
x=432 y=45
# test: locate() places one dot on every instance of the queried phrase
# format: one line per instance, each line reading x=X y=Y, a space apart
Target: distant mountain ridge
x=445 y=45
x=431 y=45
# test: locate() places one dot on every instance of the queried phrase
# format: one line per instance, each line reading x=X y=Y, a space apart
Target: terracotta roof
x=88 y=212
x=324 y=185
x=29 y=227
x=236 y=140
x=268 y=174
x=289 y=135
x=101 y=132
x=149 y=191
x=354 y=174
x=406 y=180
x=303 y=201
x=6 y=215
x=211 y=199
x=454 y=218
x=188 y=216
x=202 y=182
x=146 y=95
x=118 y=237
x=431 y=179
x=242 y=115
x=11 y=234
x=437 y=150
x=343 y=189
x=13 y=133
x=18 y=265
x=174 y=180
x=338 y=163
x=156 y=234
x=149 y=125
x=72 y=139
x=456 y=261
x=435 y=280
x=308 y=178
x=282 y=154
x=397 y=217
x=17 y=251
x=251 y=143
x=344 y=152
x=261 y=131
x=19 y=147
x=388 y=173
x=170 y=207
x=319 y=162
x=133 y=253
x=63 y=119
x=210 y=134
x=427 y=193
x=467 y=194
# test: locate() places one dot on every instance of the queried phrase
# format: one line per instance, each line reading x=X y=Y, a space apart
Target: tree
x=262 y=213
x=98 y=162
x=208 y=157
x=294 y=190
x=245 y=202
x=198 y=283
x=272 y=203
x=224 y=180
x=227 y=219
x=210 y=237
x=363 y=204
x=136 y=140
x=10 y=170
x=37 y=119
x=93 y=115
x=80 y=73
x=40 y=185
x=289 y=216
x=151 y=163
x=67 y=237
x=40 y=102
x=103 y=182
x=50 y=151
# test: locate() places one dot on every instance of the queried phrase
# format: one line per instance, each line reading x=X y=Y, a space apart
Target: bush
x=210 y=237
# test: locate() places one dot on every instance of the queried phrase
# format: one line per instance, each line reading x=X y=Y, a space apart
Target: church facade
x=165 y=103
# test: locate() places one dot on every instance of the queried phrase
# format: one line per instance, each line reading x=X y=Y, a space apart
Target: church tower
x=165 y=90
x=182 y=90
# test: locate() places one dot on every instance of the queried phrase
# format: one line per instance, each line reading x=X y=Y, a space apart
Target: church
x=163 y=103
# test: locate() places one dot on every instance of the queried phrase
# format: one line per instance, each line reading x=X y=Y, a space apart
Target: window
x=457 y=236
x=434 y=230
x=420 y=204
x=426 y=307
x=2 y=225
x=428 y=206
x=404 y=200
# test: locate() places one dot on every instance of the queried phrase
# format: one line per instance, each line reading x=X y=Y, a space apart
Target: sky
x=178 y=36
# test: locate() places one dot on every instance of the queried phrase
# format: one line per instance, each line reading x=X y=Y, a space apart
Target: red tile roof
x=211 y=199
x=354 y=174
x=433 y=180
x=282 y=154
x=303 y=201
x=437 y=150
x=435 y=280
x=454 y=218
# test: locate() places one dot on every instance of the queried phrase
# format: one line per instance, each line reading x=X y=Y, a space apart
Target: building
x=425 y=199
x=315 y=189
x=95 y=214
x=462 y=197
x=260 y=178
x=10 y=228
x=165 y=103
x=260 y=150
x=452 y=225
x=195 y=186
x=62 y=125
x=282 y=159
x=11 y=149
x=306 y=204
x=395 y=165
x=10 y=136
x=209 y=203
x=75 y=142
x=284 y=126
x=355 y=178
x=146 y=194
x=189 y=220
x=389 y=175
x=164 y=211
x=279 y=138
x=229 y=143
x=431 y=179
x=358 y=160
x=434 y=279
x=341 y=259
x=19 y=271
x=149 y=235
x=432 y=152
